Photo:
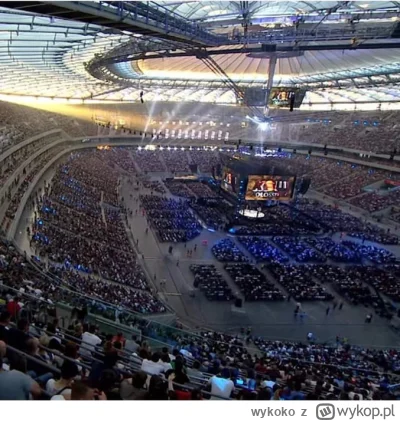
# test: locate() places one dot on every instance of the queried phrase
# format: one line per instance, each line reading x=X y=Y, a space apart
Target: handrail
x=37 y=360
x=289 y=357
x=14 y=148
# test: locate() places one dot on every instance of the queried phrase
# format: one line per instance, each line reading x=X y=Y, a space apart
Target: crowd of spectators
x=148 y=161
x=209 y=280
x=352 y=284
x=334 y=251
x=334 y=220
x=227 y=251
x=140 y=301
x=299 y=250
x=201 y=190
x=350 y=131
x=80 y=229
x=331 y=172
x=73 y=229
x=385 y=280
x=377 y=255
x=394 y=214
x=19 y=123
x=353 y=185
x=299 y=283
x=178 y=188
x=211 y=212
x=262 y=250
x=120 y=158
x=373 y=202
x=153 y=185
x=278 y=220
x=190 y=189
x=284 y=370
x=171 y=218
x=205 y=160
x=16 y=158
x=253 y=284
x=35 y=166
x=176 y=161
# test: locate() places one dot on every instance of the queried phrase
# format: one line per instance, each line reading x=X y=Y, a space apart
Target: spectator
x=89 y=341
x=221 y=386
x=80 y=391
x=14 y=307
x=153 y=366
x=158 y=389
x=18 y=337
x=17 y=386
x=131 y=345
x=37 y=367
x=194 y=372
x=5 y=318
x=132 y=389
x=62 y=386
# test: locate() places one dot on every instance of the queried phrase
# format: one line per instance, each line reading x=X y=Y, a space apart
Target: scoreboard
x=269 y=187
x=279 y=97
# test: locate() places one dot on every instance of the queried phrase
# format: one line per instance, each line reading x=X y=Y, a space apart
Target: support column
x=271 y=73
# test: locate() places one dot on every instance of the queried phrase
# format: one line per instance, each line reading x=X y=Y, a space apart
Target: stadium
x=199 y=200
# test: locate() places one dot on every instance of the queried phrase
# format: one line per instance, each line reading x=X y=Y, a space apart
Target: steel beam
x=271 y=74
x=113 y=57
x=136 y=17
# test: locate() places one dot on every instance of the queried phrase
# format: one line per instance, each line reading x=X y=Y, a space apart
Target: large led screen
x=269 y=187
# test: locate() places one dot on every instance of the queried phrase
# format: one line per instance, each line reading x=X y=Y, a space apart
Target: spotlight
x=264 y=126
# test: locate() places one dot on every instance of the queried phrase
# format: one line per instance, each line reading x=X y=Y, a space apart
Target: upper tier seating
x=19 y=122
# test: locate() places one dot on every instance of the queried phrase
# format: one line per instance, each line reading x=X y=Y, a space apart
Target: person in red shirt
x=186 y=395
x=13 y=307
x=119 y=337
x=260 y=366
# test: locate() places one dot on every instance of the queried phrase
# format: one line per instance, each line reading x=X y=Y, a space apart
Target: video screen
x=269 y=187
x=280 y=97
x=228 y=181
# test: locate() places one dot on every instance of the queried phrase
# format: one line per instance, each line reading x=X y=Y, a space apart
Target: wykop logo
x=325 y=411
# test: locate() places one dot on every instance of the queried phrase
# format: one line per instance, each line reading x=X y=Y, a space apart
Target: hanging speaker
x=268 y=48
x=292 y=99
x=238 y=302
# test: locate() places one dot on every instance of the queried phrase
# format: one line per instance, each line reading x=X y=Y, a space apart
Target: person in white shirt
x=221 y=387
x=89 y=341
x=165 y=362
x=153 y=366
x=131 y=345
x=186 y=353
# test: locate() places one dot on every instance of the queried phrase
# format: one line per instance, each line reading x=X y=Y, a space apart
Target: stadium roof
x=45 y=56
x=211 y=11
